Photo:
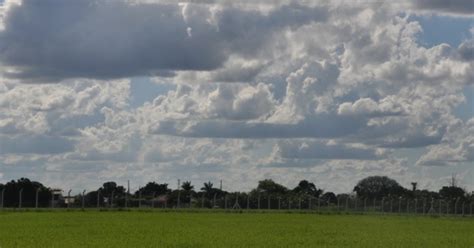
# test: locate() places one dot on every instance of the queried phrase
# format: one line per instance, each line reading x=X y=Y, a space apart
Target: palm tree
x=208 y=188
x=186 y=186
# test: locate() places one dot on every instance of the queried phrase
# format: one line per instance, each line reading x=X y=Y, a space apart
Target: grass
x=205 y=229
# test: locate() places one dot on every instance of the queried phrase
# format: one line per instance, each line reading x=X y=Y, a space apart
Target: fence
x=423 y=206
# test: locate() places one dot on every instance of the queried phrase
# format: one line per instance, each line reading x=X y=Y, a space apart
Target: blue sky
x=326 y=92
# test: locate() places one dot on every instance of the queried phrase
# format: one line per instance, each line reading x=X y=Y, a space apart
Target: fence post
x=416 y=205
x=365 y=204
x=126 y=197
x=456 y=206
x=310 y=207
x=153 y=200
x=248 y=201
x=68 y=198
x=400 y=204
x=440 y=206
x=20 y=199
x=3 y=198
x=289 y=204
x=225 y=202
x=299 y=204
x=355 y=204
x=462 y=208
x=268 y=203
x=214 y=201
x=83 y=199
x=424 y=205
x=52 y=198
x=36 y=197
x=347 y=203
x=470 y=208
x=408 y=205
x=112 y=199
x=382 y=204
x=258 y=204
x=279 y=203
x=319 y=204
x=140 y=198
x=447 y=207
x=190 y=199
x=98 y=198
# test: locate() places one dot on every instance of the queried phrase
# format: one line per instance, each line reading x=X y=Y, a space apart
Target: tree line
x=267 y=192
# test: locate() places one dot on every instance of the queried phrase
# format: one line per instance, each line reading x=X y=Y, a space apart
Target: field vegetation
x=140 y=228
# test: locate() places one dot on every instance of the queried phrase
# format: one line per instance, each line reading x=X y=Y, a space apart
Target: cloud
x=53 y=40
x=326 y=150
x=39 y=144
x=463 y=7
x=466 y=50
x=323 y=126
x=367 y=106
x=456 y=147
x=330 y=92
x=58 y=109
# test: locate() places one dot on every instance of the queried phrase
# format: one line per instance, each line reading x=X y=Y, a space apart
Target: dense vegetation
x=374 y=188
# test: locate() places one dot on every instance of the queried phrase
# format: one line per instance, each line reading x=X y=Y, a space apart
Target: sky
x=240 y=91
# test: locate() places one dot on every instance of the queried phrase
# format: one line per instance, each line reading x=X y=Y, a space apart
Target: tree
x=413 y=186
x=29 y=187
x=452 y=192
x=329 y=197
x=208 y=188
x=154 y=188
x=307 y=188
x=187 y=186
x=109 y=187
x=91 y=198
x=378 y=187
x=269 y=187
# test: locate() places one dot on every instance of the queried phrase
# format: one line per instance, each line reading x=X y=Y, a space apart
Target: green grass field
x=187 y=229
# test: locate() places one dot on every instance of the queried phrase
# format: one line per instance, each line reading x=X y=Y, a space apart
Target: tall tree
x=307 y=188
x=378 y=187
x=154 y=188
x=268 y=186
x=452 y=192
x=187 y=186
x=29 y=187
x=208 y=188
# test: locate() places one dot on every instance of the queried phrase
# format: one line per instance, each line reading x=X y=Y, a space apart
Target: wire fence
x=244 y=201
